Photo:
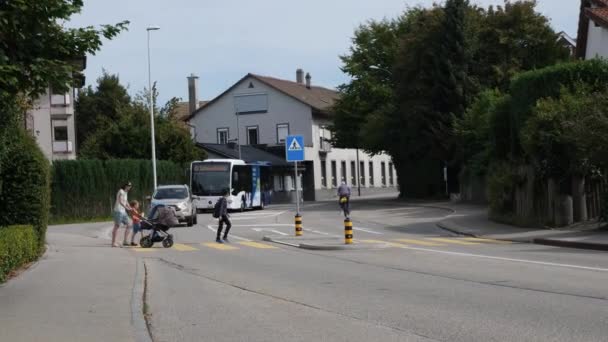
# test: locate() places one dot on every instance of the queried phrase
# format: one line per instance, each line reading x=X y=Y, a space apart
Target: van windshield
x=171 y=193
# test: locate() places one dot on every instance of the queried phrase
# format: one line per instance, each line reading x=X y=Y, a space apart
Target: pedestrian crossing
x=397 y=243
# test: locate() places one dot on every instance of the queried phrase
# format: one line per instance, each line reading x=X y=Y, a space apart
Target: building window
x=222 y=136
x=383 y=173
x=343 y=171
x=390 y=174
x=59 y=99
x=279 y=182
x=334 y=174
x=323 y=174
x=371 y=173
x=353 y=173
x=362 y=173
x=60 y=133
x=251 y=103
x=252 y=135
x=282 y=133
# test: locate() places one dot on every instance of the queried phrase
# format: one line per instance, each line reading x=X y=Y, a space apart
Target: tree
x=99 y=107
x=120 y=126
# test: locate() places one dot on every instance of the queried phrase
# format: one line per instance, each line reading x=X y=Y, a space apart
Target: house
x=568 y=42
x=261 y=111
x=592 y=38
x=51 y=120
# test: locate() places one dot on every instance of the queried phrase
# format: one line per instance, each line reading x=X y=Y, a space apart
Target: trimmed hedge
x=529 y=87
x=18 y=246
x=85 y=189
x=24 y=184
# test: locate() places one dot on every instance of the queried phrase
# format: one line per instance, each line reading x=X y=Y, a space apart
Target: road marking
x=367 y=231
x=220 y=246
x=256 y=245
x=139 y=249
x=392 y=244
x=269 y=230
x=184 y=248
x=231 y=235
x=481 y=256
x=419 y=242
x=487 y=240
x=454 y=241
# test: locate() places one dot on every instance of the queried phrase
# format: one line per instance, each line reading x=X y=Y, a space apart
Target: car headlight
x=182 y=205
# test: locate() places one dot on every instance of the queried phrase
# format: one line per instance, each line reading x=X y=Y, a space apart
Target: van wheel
x=195 y=221
x=190 y=221
x=242 y=206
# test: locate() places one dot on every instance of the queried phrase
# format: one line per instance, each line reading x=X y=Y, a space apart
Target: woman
x=121 y=207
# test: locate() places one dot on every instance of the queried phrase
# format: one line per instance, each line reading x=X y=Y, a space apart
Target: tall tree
x=119 y=127
x=100 y=106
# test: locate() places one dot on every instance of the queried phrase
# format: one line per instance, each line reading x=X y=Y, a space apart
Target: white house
x=262 y=111
x=51 y=120
x=592 y=38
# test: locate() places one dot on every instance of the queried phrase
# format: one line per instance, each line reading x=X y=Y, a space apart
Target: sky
x=222 y=40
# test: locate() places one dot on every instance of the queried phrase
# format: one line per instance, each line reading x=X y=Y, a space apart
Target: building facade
x=261 y=111
x=51 y=122
x=592 y=41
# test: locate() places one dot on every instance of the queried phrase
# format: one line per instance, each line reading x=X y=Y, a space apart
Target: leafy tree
x=122 y=130
x=511 y=39
x=99 y=107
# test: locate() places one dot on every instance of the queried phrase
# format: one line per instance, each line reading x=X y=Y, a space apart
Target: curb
x=537 y=241
x=572 y=244
x=142 y=334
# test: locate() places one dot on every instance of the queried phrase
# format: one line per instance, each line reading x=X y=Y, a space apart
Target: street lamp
x=152 y=28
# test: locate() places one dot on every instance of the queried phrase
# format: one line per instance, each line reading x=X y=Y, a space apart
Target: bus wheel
x=261 y=207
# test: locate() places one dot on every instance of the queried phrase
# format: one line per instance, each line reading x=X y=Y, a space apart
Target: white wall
x=42 y=114
x=597 y=41
x=281 y=109
x=347 y=155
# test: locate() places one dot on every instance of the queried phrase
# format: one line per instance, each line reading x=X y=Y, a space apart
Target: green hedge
x=529 y=87
x=24 y=184
x=18 y=246
x=85 y=189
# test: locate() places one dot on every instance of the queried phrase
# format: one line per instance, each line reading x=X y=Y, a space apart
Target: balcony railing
x=62 y=147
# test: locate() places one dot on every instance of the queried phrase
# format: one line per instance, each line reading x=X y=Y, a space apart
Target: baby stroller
x=161 y=218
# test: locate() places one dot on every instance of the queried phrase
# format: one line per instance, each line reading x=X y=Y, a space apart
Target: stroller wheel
x=168 y=242
x=146 y=242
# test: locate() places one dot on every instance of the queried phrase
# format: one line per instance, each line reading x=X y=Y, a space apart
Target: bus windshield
x=210 y=179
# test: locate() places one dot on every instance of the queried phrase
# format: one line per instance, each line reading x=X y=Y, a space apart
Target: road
x=423 y=285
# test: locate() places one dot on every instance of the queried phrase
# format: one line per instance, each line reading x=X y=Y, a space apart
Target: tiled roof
x=600 y=3
x=598 y=15
x=183 y=109
x=319 y=98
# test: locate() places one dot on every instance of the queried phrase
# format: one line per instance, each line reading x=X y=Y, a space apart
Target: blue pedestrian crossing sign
x=294 y=148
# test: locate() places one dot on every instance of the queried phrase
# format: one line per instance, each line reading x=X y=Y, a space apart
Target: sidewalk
x=473 y=221
x=80 y=290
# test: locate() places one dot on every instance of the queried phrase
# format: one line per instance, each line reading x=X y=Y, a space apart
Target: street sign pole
x=297 y=188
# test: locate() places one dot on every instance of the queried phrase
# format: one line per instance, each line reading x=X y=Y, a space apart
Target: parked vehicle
x=180 y=198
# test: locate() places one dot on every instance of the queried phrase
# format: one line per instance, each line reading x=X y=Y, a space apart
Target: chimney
x=308 y=80
x=300 y=76
x=192 y=93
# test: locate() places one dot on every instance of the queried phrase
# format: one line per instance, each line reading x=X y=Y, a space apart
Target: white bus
x=247 y=183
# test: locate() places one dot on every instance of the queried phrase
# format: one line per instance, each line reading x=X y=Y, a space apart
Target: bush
x=24 y=193
x=529 y=87
x=18 y=246
x=85 y=189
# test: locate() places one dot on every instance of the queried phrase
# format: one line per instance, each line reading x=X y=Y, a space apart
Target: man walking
x=223 y=218
x=344 y=198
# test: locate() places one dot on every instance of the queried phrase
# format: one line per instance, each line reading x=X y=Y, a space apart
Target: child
x=136 y=216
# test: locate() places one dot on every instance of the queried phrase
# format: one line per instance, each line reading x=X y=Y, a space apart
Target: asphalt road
x=422 y=284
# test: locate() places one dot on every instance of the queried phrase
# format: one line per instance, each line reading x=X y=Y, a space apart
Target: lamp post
x=151 y=100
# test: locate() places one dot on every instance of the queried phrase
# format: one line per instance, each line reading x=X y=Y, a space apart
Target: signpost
x=294 y=152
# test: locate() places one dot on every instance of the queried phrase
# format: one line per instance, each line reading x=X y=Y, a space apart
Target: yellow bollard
x=298 y=225
x=348 y=232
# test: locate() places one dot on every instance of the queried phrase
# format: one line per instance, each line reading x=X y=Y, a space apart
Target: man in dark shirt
x=344 y=198
x=223 y=218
